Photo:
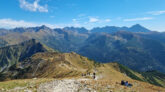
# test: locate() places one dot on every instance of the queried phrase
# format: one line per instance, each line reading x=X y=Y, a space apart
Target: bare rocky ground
x=80 y=85
x=90 y=85
x=66 y=85
x=85 y=85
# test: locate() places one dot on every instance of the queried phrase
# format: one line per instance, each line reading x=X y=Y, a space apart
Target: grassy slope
x=61 y=65
x=152 y=77
x=31 y=84
x=71 y=65
x=54 y=65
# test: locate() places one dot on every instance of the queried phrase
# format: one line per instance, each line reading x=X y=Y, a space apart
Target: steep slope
x=13 y=54
x=153 y=77
x=127 y=48
x=50 y=64
x=159 y=36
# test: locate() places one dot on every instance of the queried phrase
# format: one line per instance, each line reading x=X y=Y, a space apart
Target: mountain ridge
x=45 y=63
x=128 y=48
x=11 y=55
x=108 y=29
x=113 y=29
x=63 y=65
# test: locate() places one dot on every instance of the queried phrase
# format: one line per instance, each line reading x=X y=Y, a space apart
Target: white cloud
x=93 y=20
x=139 y=19
x=33 y=6
x=74 y=20
x=156 y=12
x=107 y=20
x=10 y=23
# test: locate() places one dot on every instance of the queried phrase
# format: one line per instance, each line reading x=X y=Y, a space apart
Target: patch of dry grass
x=23 y=84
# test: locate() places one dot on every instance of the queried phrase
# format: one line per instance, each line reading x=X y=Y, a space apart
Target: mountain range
x=113 y=29
x=135 y=47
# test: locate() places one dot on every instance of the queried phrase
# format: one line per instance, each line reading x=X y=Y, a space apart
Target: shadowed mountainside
x=14 y=54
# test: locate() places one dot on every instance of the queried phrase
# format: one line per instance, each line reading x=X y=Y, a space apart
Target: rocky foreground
x=75 y=85
x=67 y=85
x=90 y=85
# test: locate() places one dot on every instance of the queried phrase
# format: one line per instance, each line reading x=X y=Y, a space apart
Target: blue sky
x=82 y=13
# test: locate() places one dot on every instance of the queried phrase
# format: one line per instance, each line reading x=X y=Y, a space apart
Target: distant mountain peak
x=44 y=27
x=113 y=29
x=138 y=28
x=77 y=29
x=137 y=25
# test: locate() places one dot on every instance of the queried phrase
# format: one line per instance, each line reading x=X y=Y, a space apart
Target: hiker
x=82 y=75
x=94 y=75
x=126 y=83
x=88 y=73
x=122 y=82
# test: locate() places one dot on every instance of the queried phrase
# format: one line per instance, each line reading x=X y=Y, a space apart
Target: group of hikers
x=125 y=83
x=93 y=75
x=90 y=74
